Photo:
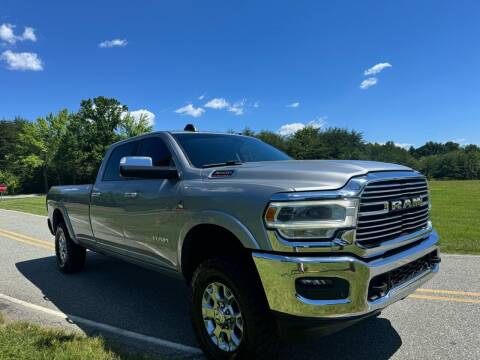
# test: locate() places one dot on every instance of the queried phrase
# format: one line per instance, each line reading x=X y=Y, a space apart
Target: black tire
x=73 y=258
x=260 y=339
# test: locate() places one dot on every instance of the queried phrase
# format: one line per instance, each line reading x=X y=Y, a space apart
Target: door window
x=112 y=171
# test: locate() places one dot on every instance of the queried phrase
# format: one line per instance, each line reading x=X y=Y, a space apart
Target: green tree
x=248 y=132
x=389 y=152
x=273 y=139
x=9 y=131
x=11 y=180
x=37 y=146
x=306 y=144
x=133 y=127
x=341 y=143
x=99 y=123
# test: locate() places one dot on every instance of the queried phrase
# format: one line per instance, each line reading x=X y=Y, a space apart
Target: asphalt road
x=144 y=310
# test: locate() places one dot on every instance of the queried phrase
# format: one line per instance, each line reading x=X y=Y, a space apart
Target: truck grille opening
x=380 y=285
x=379 y=222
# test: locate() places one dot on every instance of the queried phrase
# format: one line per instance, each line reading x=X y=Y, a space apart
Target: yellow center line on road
x=418 y=295
x=449 y=292
x=444 y=298
x=27 y=239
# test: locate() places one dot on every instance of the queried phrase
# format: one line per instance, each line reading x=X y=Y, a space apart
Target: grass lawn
x=33 y=205
x=24 y=341
x=455 y=213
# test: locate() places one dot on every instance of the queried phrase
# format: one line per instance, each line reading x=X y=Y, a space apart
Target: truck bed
x=74 y=202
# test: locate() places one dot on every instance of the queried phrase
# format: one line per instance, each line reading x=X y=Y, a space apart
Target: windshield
x=215 y=149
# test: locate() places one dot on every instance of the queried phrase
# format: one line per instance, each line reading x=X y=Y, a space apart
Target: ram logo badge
x=406 y=203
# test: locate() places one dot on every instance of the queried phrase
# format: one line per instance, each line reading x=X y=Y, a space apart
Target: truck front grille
x=379 y=221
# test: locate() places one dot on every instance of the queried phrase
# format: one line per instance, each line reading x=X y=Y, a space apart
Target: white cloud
x=190 y=110
x=294 y=105
x=137 y=114
x=290 y=129
x=201 y=97
x=256 y=104
x=113 y=43
x=238 y=108
x=405 y=146
x=22 y=61
x=461 y=141
x=368 y=82
x=29 y=34
x=217 y=103
x=375 y=69
x=7 y=34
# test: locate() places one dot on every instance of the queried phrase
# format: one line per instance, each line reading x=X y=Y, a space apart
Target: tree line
x=436 y=160
x=65 y=147
x=68 y=147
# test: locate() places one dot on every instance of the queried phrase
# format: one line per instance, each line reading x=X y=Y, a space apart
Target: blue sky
x=253 y=59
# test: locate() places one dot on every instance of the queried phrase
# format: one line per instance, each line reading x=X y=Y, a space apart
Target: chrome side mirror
x=136 y=161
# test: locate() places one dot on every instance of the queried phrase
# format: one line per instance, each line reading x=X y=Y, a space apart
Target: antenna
x=190 y=127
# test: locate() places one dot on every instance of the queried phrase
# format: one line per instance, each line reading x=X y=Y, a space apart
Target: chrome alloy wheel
x=222 y=317
x=62 y=248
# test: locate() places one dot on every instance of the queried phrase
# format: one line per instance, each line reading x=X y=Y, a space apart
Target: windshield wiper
x=226 y=163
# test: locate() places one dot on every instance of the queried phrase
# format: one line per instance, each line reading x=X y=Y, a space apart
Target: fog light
x=322 y=288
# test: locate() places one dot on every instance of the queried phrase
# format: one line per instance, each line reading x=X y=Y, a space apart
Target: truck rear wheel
x=229 y=312
x=70 y=256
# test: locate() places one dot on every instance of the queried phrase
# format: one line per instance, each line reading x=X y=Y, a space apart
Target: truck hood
x=303 y=175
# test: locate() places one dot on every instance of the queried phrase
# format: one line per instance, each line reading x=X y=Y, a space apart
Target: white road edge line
x=458 y=255
x=105 y=327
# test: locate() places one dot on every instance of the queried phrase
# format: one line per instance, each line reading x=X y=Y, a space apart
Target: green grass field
x=32 y=205
x=24 y=341
x=455 y=213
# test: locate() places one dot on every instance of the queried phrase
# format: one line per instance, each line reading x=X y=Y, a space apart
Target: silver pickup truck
x=270 y=246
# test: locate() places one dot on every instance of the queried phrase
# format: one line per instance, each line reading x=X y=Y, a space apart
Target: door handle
x=130 y=195
x=96 y=193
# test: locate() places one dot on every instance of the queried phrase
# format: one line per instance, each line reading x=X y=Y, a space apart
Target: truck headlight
x=311 y=219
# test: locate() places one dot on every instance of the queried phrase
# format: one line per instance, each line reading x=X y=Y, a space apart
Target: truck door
x=149 y=208
x=106 y=211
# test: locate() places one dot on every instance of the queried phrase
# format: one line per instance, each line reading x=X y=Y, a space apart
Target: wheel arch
x=59 y=216
x=216 y=235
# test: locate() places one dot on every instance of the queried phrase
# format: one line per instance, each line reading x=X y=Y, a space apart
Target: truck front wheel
x=70 y=256
x=229 y=312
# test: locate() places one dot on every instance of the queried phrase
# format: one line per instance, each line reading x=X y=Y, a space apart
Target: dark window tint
x=155 y=148
x=112 y=171
x=205 y=149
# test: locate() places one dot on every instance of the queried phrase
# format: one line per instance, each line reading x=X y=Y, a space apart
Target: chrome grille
x=377 y=222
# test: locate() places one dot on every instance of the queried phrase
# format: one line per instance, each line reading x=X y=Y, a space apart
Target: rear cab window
x=155 y=148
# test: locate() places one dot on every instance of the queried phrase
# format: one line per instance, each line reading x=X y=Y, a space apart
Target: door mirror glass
x=140 y=167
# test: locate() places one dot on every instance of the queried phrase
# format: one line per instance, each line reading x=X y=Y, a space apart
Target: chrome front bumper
x=279 y=272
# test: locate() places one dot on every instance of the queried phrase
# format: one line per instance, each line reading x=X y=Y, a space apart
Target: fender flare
x=221 y=219
x=58 y=206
